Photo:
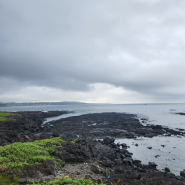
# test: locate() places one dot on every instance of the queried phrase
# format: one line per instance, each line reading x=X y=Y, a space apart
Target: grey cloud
x=68 y=45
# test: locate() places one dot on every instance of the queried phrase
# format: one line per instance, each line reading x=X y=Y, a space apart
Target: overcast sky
x=100 y=51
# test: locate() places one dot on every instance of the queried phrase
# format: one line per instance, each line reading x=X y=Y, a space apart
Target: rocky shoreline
x=99 y=125
x=89 y=158
x=22 y=126
x=97 y=160
x=113 y=162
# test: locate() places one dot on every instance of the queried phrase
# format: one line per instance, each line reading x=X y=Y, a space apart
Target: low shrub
x=17 y=156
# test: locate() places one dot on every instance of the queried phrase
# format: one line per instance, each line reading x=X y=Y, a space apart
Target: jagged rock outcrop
x=104 y=160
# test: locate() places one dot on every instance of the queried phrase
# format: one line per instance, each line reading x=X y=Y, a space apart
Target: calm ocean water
x=171 y=156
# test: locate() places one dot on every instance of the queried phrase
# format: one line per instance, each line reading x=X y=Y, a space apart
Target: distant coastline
x=10 y=104
x=2 y=105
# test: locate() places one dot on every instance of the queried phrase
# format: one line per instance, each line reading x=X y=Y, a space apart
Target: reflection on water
x=165 y=151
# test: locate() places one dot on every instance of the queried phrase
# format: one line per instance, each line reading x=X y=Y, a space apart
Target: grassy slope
x=18 y=156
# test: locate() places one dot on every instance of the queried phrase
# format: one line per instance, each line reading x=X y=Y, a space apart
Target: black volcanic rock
x=108 y=126
x=182 y=173
x=167 y=169
x=108 y=140
x=24 y=125
x=110 y=158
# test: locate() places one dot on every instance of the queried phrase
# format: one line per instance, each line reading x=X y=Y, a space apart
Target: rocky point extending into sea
x=88 y=157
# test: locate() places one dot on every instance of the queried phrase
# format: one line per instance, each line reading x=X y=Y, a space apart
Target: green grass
x=4 y=180
x=67 y=180
x=20 y=155
x=73 y=141
x=6 y=116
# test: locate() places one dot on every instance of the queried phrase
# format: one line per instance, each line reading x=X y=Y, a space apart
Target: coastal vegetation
x=5 y=180
x=6 y=116
x=67 y=180
x=18 y=156
x=73 y=141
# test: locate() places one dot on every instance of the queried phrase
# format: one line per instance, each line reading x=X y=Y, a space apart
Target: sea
x=171 y=155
